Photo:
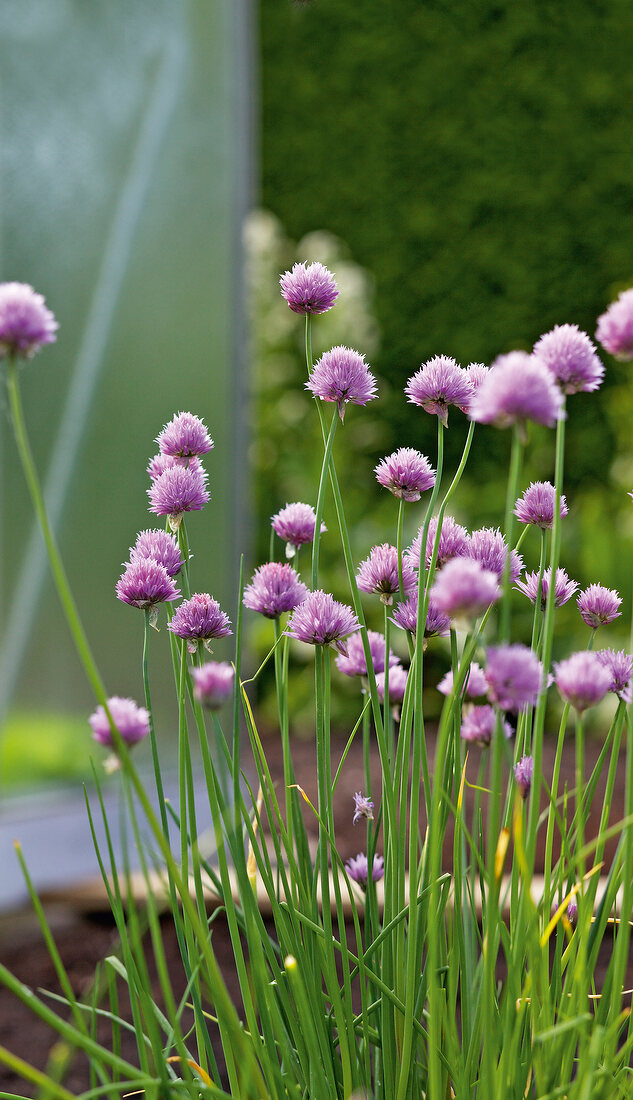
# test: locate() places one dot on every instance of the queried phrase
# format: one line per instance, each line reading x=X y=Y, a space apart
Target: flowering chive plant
x=455 y=955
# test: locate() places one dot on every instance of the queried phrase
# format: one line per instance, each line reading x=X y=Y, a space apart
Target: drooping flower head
x=275 y=588
x=130 y=720
x=475 y=686
x=25 y=321
x=615 y=327
x=454 y=543
x=353 y=663
x=358 y=870
x=438 y=383
x=342 y=375
x=160 y=546
x=295 y=525
x=536 y=506
x=523 y=774
x=146 y=583
x=406 y=473
x=406 y=617
x=309 y=288
x=322 y=620
x=514 y=675
x=619 y=664
x=179 y=489
x=184 y=437
x=463 y=588
x=397 y=683
x=478 y=724
x=582 y=679
x=564 y=588
x=489 y=548
x=571 y=357
x=199 y=619
x=518 y=388
x=213 y=683
x=598 y=606
x=379 y=573
x=363 y=808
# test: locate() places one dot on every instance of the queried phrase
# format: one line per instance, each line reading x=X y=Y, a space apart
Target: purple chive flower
x=523 y=774
x=322 y=620
x=353 y=663
x=571 y=357
x=213 y=683
x=184 y=437
x=463 y=588
x=178 y=489
x=363 y=807
x=478 y=724
x=25 y=321
x=620 y=666
x=199 y=619
x=598 y=606
x=406 y=617
x=537 y=505
x=476 y=683
x=159 y=463
x=358 y=869
x=397 y=683
x=564 y=588
x=131 y=721
x=295 y=525
x=454 y=543
x=160 y=546
x=379 y=573
x=146 y=583
x=477 y=372
x=518 y=388
x=582 y=679
x=514 y=675
x=615 y=327
x=488 y=547
x=437 y=384
x=406 y=473
x=341 y=375
x=275 y=588
x=309 y=288
x=572 y=912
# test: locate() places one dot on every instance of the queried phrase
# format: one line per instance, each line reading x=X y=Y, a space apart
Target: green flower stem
x=538 y=613
x=281 y=682
x=399 y=547
x=183 y=545
x=512 y=491
x=549 y=840
x=388 y=719
x=152 y=733
x=320 y=501
x=580 y=781
x=59 y=574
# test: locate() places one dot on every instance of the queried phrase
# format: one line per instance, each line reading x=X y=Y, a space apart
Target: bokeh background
x=464 y=169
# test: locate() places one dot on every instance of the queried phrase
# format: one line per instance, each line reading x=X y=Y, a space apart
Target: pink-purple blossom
x=518 y=388
x=488 y=546
x=406 y=473
x=146 y=583
x=523 y=774
x=397 y=683
x=322 y=620
x=406 y=617
x=615 y=327
x=454 y=543
x=159 y=545
x=130 y=720
x=184 y=437
x=536 y=506
x=619 y=664
x=274 y=589
x=159 y=463
x=463 y=588
x=358 y=869
x=477 y=372
x=564 y=588
x=475 y=686
x=353 y=662
x=438 y=383
x=26 y=323
x=582 y=679
x=309 y=288
x=177 y=490
x=213 y=683
x=478 y=724
x=363 y=808
x=295 y=525
x=199 y=619
x=514 y=675
x=342 y=375
x=379 y=573
x=598 y=606
x=572 y=358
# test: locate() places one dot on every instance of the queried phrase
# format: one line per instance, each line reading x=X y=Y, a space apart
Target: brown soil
x=85 y=938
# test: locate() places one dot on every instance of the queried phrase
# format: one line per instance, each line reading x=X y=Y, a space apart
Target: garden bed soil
x=85 y=932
